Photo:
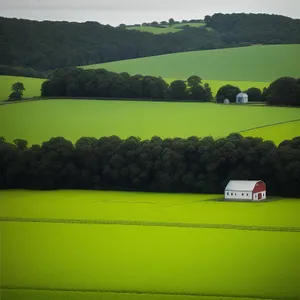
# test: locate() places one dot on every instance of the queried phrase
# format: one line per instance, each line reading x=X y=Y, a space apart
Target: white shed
x=247 y=190
x=226 y=101
x=242 y=98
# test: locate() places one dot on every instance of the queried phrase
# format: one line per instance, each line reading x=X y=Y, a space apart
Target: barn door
x=259 y=196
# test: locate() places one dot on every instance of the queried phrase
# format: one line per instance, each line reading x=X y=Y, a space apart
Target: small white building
x=242 y=98
x=247 y=190
x=226 y=101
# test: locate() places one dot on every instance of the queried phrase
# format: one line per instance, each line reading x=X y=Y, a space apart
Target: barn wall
x=247 y=195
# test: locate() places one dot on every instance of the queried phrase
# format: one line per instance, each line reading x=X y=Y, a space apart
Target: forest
x=77 y=82
x=192 y=165
x=49 y=45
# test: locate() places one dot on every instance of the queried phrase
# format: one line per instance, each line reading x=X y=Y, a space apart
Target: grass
x=255 y=63
x=40 y=120
x=32 y=86
x=166 y=29
x=153 y=259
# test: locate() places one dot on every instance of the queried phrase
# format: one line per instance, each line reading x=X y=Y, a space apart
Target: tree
x=194 y=80
x=17 y=91
x=198 y=92
x=171 y=22
x=208 y=91
x=284 y=91
x=254 y=94
x=227 y=92
x=178 y=90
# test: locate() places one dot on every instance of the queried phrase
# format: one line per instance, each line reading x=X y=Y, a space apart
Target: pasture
x=254 y=63
x=166 y=29
x=40 y=120
x=55 y=253
x=32 y=86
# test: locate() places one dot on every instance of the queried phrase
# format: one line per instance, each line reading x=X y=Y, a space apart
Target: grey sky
x=115 y=12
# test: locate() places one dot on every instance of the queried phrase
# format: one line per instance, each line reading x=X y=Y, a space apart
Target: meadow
x=32 y=86
x=91 y=260
x=166 y=29
x=38 y=121
x=254 y=64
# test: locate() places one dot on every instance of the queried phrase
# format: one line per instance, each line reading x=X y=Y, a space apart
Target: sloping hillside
x=49 y=45
x=255 y=63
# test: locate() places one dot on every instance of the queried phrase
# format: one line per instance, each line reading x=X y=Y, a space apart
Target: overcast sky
x=115 y=12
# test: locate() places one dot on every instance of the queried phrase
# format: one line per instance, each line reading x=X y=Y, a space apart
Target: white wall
x=264 y=195
x=238 y=195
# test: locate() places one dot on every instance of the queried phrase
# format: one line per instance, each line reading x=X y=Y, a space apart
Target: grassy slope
x=72 y=119
x=167 y=29
x=32 y=86
x=256 y=63
x=149 y=258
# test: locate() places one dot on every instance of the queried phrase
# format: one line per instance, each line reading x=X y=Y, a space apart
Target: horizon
x=132 y=12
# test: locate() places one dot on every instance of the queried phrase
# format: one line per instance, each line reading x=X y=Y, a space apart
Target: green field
x=143 y=258
x=255 y=63
x=40 y=120
x=166 y=29
x=32 y=86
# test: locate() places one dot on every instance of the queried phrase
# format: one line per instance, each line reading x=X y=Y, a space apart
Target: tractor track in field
x=150 y=293
x=269 y=125
x=154 y=224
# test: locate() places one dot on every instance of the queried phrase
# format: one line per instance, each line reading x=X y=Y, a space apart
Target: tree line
x=284 y=91
x=21 y=71
x=76 y=82
x=50 y=45
x=190 y=165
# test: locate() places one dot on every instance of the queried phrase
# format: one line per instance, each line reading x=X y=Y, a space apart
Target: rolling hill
x=255 y=63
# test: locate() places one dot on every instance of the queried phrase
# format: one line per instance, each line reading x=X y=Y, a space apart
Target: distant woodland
x=157 y=165
x=50 y=45
x=100 y=83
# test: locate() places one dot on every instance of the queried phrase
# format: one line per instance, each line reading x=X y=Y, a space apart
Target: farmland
x=32 y=86
x=166 y=29
x=51 y=254
x=255 y=63
x=40 y=120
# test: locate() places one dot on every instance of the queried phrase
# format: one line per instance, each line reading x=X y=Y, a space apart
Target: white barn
x=247 y=190
x=242 y=98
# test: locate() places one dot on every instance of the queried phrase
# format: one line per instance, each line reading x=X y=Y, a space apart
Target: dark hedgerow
x=202 y=165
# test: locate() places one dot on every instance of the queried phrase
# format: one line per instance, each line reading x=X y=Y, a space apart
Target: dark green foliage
x=227 y=92
x=255 y=28
x=69 y=82
x=283 y=91
x=17 y=91
x=178 y=90
x=20 y=71
x=50 y=45
x=170 y=165
x=254 y=95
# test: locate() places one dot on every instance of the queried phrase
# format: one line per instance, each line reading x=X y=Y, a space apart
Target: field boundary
x=153 y=224
x=269 y=125
x=133 y=292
